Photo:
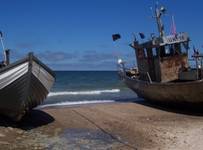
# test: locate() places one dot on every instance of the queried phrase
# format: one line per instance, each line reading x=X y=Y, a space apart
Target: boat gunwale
x=14 y=64
x=43 y=65
x=26 y=59
x=166 y=83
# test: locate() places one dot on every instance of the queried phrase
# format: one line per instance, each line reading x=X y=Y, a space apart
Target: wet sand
x=105 y=126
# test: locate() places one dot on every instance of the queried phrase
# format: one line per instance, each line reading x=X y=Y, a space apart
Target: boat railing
x=198 y=59
x=145 y=76
x=132 y=72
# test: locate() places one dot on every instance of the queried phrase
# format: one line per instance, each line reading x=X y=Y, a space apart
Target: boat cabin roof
x=162 y=41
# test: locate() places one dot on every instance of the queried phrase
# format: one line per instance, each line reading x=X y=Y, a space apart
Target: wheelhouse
x=161 y=59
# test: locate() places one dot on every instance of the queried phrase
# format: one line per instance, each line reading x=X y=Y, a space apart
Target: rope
x=104 y=131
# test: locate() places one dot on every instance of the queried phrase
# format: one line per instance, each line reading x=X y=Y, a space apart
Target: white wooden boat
x=24 y=84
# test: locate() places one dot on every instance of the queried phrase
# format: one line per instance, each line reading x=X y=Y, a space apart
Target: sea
x=87 y=87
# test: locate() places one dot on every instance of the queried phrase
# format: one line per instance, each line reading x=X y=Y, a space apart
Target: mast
x=158 y=13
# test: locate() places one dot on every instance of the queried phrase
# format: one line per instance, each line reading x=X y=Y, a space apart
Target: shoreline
x=104 y=126
x=75 y=104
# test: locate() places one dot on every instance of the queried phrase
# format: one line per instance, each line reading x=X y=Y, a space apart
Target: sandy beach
x=104 y=127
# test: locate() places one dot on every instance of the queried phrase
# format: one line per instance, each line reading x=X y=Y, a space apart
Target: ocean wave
x=94 y=92
x=76 y=103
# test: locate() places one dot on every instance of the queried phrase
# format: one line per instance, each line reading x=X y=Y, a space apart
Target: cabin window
x=145 y=53
x=177 y=48
x=154 y=51
x=172 y=49
x=168 y=50
x=184 y=47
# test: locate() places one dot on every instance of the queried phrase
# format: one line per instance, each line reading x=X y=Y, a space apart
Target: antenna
x=158 y=13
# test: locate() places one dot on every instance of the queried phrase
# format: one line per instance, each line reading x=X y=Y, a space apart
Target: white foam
x=94 y=92
x=76 y=103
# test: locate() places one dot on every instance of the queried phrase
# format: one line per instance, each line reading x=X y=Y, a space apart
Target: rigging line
x=104 y=131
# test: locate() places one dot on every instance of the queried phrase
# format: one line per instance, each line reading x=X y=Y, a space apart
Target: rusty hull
x=171 y=92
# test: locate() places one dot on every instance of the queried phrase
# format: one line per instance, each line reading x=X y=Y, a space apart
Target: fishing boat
x=24 y=84
x=163 y=72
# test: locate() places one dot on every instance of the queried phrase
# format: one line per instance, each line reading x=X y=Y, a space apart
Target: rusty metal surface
x=171 y=66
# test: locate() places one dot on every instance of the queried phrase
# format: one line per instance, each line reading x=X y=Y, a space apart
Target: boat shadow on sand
x=35 y=118
x=181 y=108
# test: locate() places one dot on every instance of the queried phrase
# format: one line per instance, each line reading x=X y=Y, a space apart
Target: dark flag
x=1 y=34
x=196 y=52
x=194 y=49
x=116 y=37
x=142 y=36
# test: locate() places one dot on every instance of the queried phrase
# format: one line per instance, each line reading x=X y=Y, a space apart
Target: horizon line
x=84 y=70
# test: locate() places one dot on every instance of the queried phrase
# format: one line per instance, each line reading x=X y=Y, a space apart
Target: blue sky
x=76 y=34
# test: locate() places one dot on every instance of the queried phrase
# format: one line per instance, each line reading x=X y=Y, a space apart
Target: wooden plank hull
x=177 y=92
x=23 y=86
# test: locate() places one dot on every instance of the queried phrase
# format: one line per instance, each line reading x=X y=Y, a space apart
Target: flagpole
x=173 y=28
x=3 y=47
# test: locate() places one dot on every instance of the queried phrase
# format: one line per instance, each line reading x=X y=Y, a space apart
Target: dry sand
x=105 y=126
